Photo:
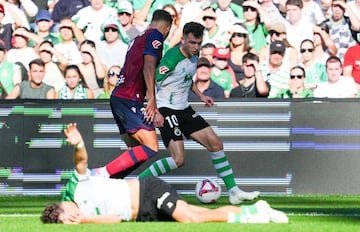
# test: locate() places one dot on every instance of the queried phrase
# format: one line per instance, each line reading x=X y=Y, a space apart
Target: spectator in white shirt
x=338 y=86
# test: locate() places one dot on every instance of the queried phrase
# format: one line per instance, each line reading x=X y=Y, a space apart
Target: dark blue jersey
x=131 y=84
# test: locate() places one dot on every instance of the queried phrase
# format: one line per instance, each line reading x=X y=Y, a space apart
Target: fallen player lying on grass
x=97 y=199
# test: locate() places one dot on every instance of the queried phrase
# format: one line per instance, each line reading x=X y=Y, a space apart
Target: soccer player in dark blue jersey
x=136 y=83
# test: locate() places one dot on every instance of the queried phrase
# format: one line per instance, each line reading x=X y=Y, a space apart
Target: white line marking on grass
x=324 y=214
x=19 y=215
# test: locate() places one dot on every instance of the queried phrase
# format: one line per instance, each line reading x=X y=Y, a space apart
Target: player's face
x=71 y=213
x=192 y=44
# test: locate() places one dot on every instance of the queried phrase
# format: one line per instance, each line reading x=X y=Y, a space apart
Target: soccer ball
x=207 y=191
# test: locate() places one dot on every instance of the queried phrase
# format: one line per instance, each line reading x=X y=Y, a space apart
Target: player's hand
x=158 y=120
x=208 y=100
x=71 y=218
x=72 y=134
x=150 y=111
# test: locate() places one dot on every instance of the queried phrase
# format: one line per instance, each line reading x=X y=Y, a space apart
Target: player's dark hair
x=51 y=213
x=194 y=28
x=250 y=56
x=162 y=15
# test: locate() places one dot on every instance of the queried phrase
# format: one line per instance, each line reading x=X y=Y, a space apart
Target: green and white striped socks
x=159 y=167
x=223 y=168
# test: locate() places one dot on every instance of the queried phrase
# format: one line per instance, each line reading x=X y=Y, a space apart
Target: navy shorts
x=180 y=122
x=129 y=115
x=157 y=200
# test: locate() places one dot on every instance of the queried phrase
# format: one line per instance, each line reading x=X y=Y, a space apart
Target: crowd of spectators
x=74 y=49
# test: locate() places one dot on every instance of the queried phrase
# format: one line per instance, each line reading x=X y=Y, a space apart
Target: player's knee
x=216 y=145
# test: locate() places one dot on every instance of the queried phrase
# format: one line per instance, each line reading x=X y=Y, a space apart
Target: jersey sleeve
x=167 y=64
x=154 y=44
x=68 y=194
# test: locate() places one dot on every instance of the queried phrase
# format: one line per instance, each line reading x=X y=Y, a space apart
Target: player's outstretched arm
x=73 y=136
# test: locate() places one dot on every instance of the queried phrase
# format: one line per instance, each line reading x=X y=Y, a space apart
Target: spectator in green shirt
x=296 y=85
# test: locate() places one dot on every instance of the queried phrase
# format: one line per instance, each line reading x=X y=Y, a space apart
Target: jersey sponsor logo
x=156 y=44
x=195 y=115
x=163 y=69
x=160 y=200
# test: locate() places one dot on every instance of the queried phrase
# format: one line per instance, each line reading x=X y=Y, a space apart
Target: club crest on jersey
x=156 y=44
x=120 y=80
x=163 y=69
x=177 y=131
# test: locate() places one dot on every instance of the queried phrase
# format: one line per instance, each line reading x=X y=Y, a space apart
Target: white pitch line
x=324 y=214
x=19 y=215
x=288 y=214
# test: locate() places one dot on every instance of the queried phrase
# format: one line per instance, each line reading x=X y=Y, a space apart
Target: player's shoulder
x=154 y=33
x=173 y=56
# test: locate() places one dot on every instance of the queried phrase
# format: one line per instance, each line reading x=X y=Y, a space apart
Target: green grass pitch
x=306 y=213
